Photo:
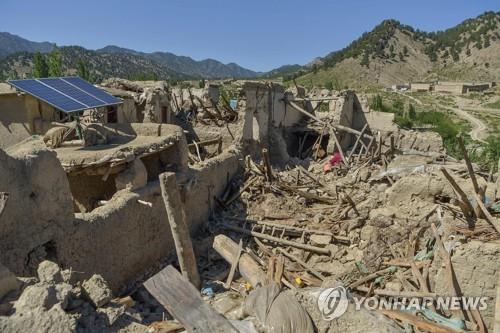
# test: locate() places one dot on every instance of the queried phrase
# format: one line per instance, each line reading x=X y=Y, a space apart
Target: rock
x=226 y=303
x=134 y=177
x=43 y=296
x=97 y=291
x=320 y=240
x=112 y=312
x=54 y=321
x=49 y=272
x=8 y=281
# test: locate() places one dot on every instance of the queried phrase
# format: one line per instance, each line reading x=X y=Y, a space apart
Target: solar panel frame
x=65 y=95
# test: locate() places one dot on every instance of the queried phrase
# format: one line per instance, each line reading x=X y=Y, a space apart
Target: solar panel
x=72 y=91
x=92 y=90
x=49 y=95
x=69 y=94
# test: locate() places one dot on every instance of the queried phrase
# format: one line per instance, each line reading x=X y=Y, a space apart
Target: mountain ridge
x=181 y=67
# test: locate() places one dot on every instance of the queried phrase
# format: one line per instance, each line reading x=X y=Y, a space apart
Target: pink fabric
x=336 y=159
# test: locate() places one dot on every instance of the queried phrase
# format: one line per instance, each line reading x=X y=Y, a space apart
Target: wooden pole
x=248 y=268
x=267 y=164
x=180 y=230
x=357 y=141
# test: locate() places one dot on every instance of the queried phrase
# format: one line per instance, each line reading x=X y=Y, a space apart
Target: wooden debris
x=277 y=240
x=185 y=304
x=178 y=226
x=234 y=264
x=247 y=266
x=417 y=322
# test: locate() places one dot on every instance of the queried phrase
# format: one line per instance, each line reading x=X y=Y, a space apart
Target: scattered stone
x=112 y=312
x=49 y=272
x=43 y=296
x=97 y=291
x=320 y=240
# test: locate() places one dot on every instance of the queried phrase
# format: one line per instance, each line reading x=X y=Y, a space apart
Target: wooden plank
x=234 y=264
x=179 y=227
x=184 y=303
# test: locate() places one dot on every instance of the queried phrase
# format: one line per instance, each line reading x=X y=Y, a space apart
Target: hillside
x=10 y=44
x=16 y=56
x=208 y=68
x=100 y=65
x=396 y=53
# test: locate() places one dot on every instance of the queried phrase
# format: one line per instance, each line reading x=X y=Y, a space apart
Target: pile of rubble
x=324 y=204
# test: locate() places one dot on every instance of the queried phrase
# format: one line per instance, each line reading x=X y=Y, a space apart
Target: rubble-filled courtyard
x=243 y=206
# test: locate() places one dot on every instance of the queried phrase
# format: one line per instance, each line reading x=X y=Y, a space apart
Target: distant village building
x=420 y=86
x=458 y=88
x=400 y=87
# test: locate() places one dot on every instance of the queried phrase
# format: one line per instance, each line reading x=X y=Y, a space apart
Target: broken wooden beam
x=205 y=143
x=184 y=303
x=267 y=164
x=306 y=247
x=303 y=263
x=178 y=225
x=248 y=268
x=465 y=205
x=492 y=220
x=234 y=264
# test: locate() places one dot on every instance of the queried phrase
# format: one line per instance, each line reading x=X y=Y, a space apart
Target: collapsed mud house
x=319 y=190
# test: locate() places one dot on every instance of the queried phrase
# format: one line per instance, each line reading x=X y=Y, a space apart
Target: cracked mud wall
x=39 y=211
x=118 y=240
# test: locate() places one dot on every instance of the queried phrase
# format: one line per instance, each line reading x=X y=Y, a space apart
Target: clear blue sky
x=257 y=34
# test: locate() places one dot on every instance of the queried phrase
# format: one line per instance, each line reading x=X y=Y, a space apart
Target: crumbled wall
x=264 y=121
x=14 y=125
x=118 y=240
x=39 y=210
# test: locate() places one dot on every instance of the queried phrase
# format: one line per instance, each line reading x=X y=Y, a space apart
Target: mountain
x=100 y=65
x=282 y=71
x=16 y=56
x=207 y=68
x=396 y=53
x=10 y=44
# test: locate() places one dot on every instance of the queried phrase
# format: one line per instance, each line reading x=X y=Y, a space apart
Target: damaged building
x=190 y=214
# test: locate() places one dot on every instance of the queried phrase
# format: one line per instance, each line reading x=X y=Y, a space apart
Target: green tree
x=55 y=63
x=83 y=71
x=329 y=85
x=201 y=84
x=40 y=67
x=412 y=114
